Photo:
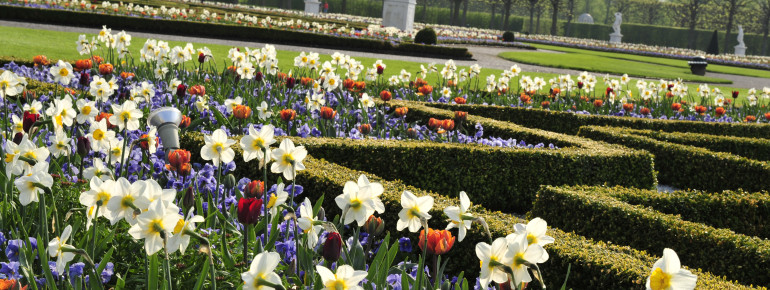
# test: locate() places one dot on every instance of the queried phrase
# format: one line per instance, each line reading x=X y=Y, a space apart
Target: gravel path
x=485 y=56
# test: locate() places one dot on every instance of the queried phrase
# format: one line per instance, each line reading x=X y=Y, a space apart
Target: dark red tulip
x=332 y=247
x=249 y=210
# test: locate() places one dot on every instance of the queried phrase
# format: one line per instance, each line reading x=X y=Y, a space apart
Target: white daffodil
x=100 y=137
x=115 y=151
x=62 y=112
x=62 y=72
x=257 y=144
x=8 y=84
x=262 y=269
x=366 y=101
x=308 y=224
x=346 y=278
x=332 y=82
x=87 y=110
x=28 y=190
x=361 y=200
x=60 y=144
x=534 y=231
x=459 y=217
x=413 y=209
x=122 y=203
x=152 y=191
x=288 y=159
x=217 y=148
x=158 y=220
x=55 y=249
x=667 y=274
x=263 y=112
x=277 y=198
x=29 y=150
x=126 y=116
x=97 y=170
x=99 y=194
x=17 y=124
x=181 y=239
x=492 y=258
x=523 y=253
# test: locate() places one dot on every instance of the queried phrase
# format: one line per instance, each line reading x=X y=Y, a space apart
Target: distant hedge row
x=595 y=214
x=202 y=29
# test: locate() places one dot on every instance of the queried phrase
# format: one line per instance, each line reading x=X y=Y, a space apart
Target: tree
x=733 y=7
x=465 y=12
x=555 y=16
x=764 y=6
x=532 y=7
x=570 y=14
x=714 y=44
x=492 y=19
x=692 y=8
x=506 y=13
x=650 y=10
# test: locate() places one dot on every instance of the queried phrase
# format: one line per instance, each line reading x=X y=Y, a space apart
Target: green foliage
x=425 y=36
x=720 y=251
x=685 y=166
x=752 y=148
x=202 y=29
x=508 y=36
x=713 y=47
x=570 y=123
x=743 y=212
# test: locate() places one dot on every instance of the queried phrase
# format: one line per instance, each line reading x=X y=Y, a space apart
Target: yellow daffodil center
x=518 y=260
x=287 y=159
x=218 y=147
x=125 y=116
x=19 y=127
x=304 y=59
x=59 y=120
x=4 y=84
x=64 y=72
x=9 y=157
x=155 y=226
x=272 y=201
x=355 y=203
x=492 y=261
x=258 y=143
x=336 y=284
x=179 y=226
x=531 y=239
x=660 y=280
x=30 y=154
x=103 y=196
x=126 y=202
x=413 y=212
x=30 y=185
x=98 y=134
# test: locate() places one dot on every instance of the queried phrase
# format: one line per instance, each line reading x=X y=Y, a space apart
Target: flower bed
x=570 y=122
x=594 y=214
x=685 y=166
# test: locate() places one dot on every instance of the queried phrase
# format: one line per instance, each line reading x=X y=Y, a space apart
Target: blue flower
x=405 y=245
x=2 y=238
x=12 y=250
x=10 y=270
x=107 y=273
x=76 y=270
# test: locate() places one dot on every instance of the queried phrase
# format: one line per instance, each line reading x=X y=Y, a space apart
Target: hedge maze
x=596 y=190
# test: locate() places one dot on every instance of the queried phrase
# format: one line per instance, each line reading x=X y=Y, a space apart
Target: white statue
x=740 y=36
x=618 y=20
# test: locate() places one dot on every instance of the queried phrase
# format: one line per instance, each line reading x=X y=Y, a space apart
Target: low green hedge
x=570 y=123
x=685 y=166
x=752 y=148
x=594 y=265
x=747 y=213
x=600 y=216
x=227 y=31
x=499 y=178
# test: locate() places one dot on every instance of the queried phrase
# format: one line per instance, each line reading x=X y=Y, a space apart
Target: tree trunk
x=554 y=17
x=424 y=10
x=492 y=19
x=571 y=7
x=451 y=11
x=691 y=27
x=507 y=13
x=456 y=16
x=343 y=7
x=730 y=18
x=765 y=30
x=607 y=13
x=531 y=17
x=539 y=12
x=465 y=13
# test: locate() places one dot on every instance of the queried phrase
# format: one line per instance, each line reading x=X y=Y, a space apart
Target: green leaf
x=202 y=276
x=152 y=276
x=46 y=270
x=221 y=120
x=273 y=233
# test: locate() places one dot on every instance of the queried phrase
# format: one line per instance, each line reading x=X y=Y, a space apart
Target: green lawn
x=26 y=43
x=662 y=61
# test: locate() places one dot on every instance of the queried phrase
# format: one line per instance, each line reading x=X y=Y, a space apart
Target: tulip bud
x=380 y=69
x=249 y=210
x=84 y=146
x=461 y=116
x=386 y=95
x=178 y=157
x=288 y=115
x=105 y=69
x=255 y=188
x=374 y=226
x=201 y=57
x=365 y=129
x=229 y=181
x=185 y=122
x=259 y=76
x=290 y=82
x=180 y=90
x=580 y=85
x=401 y=111
x=328 y=113
x=188 y=201
x=184 y=169
x=332 y=247
x=735 y=94
x=29 y=120
x=85 y=79
x=17 y=138
x=411 y=133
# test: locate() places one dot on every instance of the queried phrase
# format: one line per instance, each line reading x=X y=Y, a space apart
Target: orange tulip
x=439 y=242
x=644 y=111
x=40 y=60
x=288 y=115
x=328 y=113
x=628 y=107
x=242 y=112
x=719 y=111
x=460 y=100
x=426 y=90
x=105 y=69
x=401 y=111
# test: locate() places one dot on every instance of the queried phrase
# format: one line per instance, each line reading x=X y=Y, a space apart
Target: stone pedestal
x=312 y=6
x=615 y=38
x=399 y=14
x=740 y=50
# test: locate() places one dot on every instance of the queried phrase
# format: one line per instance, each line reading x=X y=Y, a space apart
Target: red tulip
x=249 y=210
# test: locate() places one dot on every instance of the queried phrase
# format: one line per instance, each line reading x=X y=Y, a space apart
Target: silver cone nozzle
x=167 y=121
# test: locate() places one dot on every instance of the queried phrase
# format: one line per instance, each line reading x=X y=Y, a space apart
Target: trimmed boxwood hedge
x=747 y=213
x=594 y=265
x=685 y=166
x=499 y=178
x=227 y=31
x=593 y=214
x=752 y=148
x=570 y=123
